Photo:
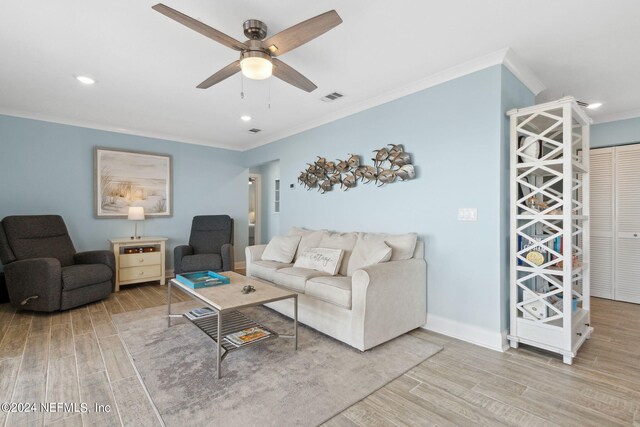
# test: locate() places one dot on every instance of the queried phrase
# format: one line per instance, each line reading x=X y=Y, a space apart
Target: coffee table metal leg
x=169 y=304
x=219 y=341
x=295 y=321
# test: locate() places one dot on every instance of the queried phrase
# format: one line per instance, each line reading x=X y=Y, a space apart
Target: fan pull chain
x=241 y=86
x=269 y=101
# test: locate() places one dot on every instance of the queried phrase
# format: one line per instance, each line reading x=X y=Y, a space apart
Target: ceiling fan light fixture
x=256 y=65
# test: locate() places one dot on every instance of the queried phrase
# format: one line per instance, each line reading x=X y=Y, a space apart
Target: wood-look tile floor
x=78 y=356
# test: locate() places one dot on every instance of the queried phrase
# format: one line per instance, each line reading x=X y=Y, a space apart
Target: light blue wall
x=615 y=133
x=455 y=133
x=514 y=95
x=48 y=168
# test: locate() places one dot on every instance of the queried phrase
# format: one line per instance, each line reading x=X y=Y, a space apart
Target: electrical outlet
x=468 y=214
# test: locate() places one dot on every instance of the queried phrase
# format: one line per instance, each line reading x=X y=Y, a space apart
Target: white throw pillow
x=308 y=238
x=402 y=247
x=320 y=259
x=367 y=253
x=281 y=249
x=378 y=252
x=344 y=241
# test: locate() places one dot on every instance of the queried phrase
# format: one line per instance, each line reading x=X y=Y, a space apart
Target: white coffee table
x=226 y=300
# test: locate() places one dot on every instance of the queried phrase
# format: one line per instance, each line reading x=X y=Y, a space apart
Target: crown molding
x=100 y=126
x=614 y=117
x=505 y=56
x=521 y=70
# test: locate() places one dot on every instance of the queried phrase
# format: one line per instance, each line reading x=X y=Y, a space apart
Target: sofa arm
x=227 y=257
x=96 y=257
x=252 y=254
x=178 y=253
x=391 y=297
x=35 y=284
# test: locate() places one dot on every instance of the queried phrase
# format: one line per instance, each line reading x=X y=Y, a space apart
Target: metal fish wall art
x=390 y=164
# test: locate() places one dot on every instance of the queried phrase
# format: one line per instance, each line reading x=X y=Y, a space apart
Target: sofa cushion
x=308 y=238
x=335 y=290
x=344 y=241
x=368 y=252
x=39 y=236
x=81 y=275
x=320 y=259
x=210 y=232
x=201 y=262
x=402 y=247
x=281 y=249
x=267 y=269
x=295 y=278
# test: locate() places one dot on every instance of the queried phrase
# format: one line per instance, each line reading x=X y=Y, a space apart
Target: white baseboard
x=505 y=341
x=466 y=332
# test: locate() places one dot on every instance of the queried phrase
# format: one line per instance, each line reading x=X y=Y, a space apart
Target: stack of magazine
x=199 y=313
x=247 y=336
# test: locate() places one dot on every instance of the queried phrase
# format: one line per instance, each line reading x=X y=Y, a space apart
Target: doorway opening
x=255 y=217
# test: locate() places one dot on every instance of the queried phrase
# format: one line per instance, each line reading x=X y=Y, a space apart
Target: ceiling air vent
x=254 y=130
x=331 y=97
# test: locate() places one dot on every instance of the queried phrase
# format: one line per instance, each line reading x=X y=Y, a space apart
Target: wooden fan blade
x=226 y=72
x=301 y=33
x=198 y=26
x=291 y=76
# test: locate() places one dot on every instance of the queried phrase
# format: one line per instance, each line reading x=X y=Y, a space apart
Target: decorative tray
x=202 y=279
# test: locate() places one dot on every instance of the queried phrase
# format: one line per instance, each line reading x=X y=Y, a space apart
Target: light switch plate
x=468 y=214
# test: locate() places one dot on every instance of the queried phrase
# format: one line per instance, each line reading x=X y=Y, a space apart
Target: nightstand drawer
x=134 y=273
x=134 y=260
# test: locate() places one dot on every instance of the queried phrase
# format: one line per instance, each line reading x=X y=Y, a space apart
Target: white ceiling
x=147 y=66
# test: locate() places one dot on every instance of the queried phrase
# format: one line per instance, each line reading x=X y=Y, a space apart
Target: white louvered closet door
x=627 y=267
x=601 y=216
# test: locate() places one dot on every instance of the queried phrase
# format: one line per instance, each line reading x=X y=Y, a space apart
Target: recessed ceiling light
x=86 y=80
x=594 y=105
x=245 y=118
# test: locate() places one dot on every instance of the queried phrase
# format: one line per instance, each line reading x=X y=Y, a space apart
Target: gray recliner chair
x=43 y=270
x=210 y=246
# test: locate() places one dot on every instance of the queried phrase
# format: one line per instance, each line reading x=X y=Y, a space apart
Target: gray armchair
x=210 y=246
x=43 y=270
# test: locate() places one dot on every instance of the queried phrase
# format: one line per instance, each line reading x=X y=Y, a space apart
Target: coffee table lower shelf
x=232 y=322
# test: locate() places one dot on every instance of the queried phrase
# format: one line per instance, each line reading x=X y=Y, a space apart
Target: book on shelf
x=199 y=313
x=247 y=336
x=535 y=252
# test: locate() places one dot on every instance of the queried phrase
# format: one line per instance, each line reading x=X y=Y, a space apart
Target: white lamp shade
x=136 y=213
x=256 y=65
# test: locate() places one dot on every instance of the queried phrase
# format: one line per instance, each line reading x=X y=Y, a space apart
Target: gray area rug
x=267 y=384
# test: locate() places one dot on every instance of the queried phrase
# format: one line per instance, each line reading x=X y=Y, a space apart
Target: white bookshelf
x=549 y=255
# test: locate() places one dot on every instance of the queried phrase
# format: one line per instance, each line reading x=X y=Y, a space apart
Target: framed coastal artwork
x=130 y=178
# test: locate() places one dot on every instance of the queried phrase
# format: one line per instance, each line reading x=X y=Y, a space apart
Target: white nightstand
x=138 y=260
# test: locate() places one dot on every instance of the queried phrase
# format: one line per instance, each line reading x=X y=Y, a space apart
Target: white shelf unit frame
x=558 y=180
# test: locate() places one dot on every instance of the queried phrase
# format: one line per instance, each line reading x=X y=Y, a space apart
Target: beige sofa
x=362 y=306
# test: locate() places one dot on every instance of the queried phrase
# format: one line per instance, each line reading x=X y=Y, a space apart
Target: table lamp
x=136 y=213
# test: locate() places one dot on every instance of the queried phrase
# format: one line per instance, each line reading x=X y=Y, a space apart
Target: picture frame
x=132 y=178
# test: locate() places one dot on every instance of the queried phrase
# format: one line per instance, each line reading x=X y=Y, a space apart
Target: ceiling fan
x=258 y=54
